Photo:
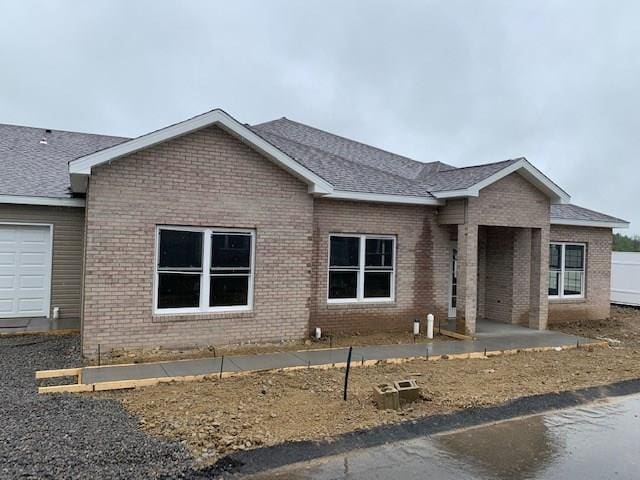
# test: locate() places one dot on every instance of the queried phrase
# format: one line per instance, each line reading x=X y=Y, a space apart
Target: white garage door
x=25 y=270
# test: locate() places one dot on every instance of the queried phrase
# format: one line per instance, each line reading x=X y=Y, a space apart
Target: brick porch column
x=539 y=311
x=467 y=300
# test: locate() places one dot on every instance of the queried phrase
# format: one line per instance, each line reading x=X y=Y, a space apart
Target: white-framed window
x=566 y=270
x=203 y=270
x=361 y=268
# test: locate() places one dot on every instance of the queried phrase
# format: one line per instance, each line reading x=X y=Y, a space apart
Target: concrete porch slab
x=12 y=326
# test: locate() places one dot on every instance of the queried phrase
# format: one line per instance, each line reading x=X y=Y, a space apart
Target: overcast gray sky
x=463 y=82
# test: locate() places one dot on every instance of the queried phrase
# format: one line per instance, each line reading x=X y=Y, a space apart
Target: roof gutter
x=382 y=198
x=44 y=201
x=589 y=223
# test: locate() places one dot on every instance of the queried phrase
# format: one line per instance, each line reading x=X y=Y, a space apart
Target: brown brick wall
x=489 y=280
x=497 y=280
x=509 y=202
x=210 y=179
x=596 y=304
x=422 y=249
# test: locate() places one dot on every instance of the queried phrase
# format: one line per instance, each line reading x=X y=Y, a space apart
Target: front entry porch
x=499 y=274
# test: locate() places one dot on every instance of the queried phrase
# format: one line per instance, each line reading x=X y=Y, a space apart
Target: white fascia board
x=83 y=165
x=382 y=198
x=44 y=201
x=524 y=168
x=588 y=223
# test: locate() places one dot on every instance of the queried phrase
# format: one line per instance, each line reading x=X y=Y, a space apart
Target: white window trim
x=561 y=295
x=205 y=275
x=360 y=298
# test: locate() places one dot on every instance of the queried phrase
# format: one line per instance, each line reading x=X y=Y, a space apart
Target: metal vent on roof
x=43 y=141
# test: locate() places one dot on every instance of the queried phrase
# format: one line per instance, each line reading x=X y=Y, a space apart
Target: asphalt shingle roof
x=31 y=168
x=354 y=166
x=574 y=212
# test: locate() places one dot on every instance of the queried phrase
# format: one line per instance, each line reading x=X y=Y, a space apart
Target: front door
x=453 y=284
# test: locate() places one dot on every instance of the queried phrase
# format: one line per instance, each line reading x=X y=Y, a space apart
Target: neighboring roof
x=568 y=214
x=39 y=173
x=31 y=168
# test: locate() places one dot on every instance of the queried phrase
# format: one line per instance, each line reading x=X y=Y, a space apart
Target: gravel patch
x=70 y=435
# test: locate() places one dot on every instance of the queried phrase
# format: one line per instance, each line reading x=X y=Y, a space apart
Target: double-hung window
x=566 y=270
x=361 y=268
x=204 y=270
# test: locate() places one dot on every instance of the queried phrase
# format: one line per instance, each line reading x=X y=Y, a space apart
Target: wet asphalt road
x=595 y=441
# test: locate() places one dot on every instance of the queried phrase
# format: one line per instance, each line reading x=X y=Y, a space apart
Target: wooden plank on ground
x=63 y=372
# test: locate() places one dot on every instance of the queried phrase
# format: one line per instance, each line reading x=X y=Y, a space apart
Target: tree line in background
x=624 y=243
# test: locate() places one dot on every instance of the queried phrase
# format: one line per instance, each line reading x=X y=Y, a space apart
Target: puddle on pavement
x=595 y=441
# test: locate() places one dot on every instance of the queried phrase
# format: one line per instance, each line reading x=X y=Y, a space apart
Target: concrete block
x=408 y=390
x=386 y=397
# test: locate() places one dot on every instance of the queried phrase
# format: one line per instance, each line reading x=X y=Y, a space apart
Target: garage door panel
x=8 y=235
x=6 y=306
x=7 y=259
x=31 y=281
x=7 y=282
x=30 y=305
x=28 y=259
x=34 y=235
x=25 y=270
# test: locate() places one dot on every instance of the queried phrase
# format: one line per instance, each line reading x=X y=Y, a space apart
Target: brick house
x=211 y=231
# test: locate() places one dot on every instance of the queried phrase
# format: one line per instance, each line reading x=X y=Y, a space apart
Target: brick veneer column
x=467 y=279
x=539 y=299
x=521 y=276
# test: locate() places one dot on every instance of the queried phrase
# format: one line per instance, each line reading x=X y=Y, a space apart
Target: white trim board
x=524 y=168
x=383 y=198
x=80 y=168
x=588 y=223
x=45 y=201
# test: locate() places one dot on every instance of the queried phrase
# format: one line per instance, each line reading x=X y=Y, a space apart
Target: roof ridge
x=345 y=138
x=456 y=169
x=340 y=157
x=63 y=131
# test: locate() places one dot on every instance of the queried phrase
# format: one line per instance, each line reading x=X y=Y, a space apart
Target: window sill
x=350 y=305
x=567 y=300
x=200 y=316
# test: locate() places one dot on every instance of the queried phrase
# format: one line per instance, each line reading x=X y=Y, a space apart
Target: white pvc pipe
x=416 y=327
x=318 y=333
x=430 y=326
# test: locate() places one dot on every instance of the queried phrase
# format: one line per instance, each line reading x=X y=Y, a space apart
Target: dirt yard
x=622 y=329
x=217 y=417
x=333 y=341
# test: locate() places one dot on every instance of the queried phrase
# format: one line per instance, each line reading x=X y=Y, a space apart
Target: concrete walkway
x=13 y=326
x=494 y=337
